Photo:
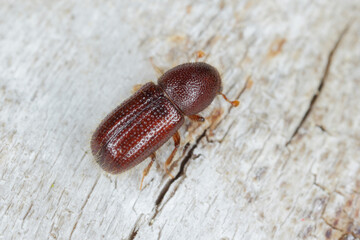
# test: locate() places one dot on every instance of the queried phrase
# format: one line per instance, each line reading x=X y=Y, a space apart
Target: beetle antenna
x=234 y=103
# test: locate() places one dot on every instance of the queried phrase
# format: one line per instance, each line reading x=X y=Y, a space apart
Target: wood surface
x=285 y=164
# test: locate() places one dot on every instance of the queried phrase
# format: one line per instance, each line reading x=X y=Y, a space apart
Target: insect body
x=144 y=122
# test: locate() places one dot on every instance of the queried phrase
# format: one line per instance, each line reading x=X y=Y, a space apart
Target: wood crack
x=133 y=233
x=331 y=225
x=323 y=188
x=27 y=213
x=169 y=183
x=184 y=162
x=181 y=171
x=189 y=156
x=83 y=206
x=322 y=128
x=321 y=85
x=135 y=229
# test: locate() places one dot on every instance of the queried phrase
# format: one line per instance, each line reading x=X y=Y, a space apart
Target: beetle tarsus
x=147 y=169
x=176 y=138
x=197 y=118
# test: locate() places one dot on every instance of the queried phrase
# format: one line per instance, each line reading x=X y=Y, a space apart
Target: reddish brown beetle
x=145 y=121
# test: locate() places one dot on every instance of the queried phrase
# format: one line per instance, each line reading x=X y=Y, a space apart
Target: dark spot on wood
x=250 y=197
x=260 y=173
x=306 y=232
x=188 y=9
x=320 y=87
x=222 y=4
x=276 y=47
x=350 y=226
x=357 y=184
x=357 y=231
x=349 y=203
x=338 y=212
x=324 y=156
x=322 y=128
x=328 y=233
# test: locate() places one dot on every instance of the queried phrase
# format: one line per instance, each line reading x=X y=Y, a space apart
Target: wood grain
x=285 y=164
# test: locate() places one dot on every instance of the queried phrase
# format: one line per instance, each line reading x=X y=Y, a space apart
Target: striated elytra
x=144 y=122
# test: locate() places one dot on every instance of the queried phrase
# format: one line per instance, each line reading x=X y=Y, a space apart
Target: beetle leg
x=157 y=69
x=197 y=118
x=147 y=169
x=176 y=138
x=135 y=88
x=234 y=103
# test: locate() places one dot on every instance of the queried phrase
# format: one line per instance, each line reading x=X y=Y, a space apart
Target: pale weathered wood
x=285 y=164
